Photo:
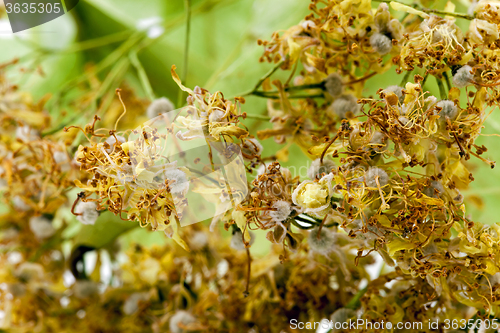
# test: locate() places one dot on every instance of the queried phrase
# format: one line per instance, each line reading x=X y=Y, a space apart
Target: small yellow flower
x=314 y=196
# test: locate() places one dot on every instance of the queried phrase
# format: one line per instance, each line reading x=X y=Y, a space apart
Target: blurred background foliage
x=78 y=60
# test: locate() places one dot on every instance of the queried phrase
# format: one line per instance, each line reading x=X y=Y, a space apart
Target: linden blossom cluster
x=386 y=177
x=388 y=171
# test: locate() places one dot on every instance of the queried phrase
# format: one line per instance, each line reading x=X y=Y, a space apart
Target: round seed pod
x=111 y=141
x=448 y=110
x=381 y=43
x=283 y=210
x=431 y=190
x=398 y=91
x=345 y=106
x=252 y=147
x=41 y=227
x=181 y=183
x=463 y=77
x=159 y=106
x=371 y=173
x=180 y=317
x=326 y=242
x=334 y=85
x=88 y=212
x=237 y=240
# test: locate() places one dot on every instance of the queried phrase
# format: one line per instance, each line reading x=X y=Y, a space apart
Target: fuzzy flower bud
x=131 y=305
x=179 y=319
x=159 y=106
x=326 y=242
x=436 y=186
x=463 y=76
x=237 y=241
x=381 y=43
x=398 y=91
x=180 y=183
x=345 y=106
x=252 y=147
x=26 y=134
x=334 y=85
x=111 y=141
x=28 y=271
x=41 y=227
x=448 y=110
x=62 y=159
x=87 y=211
x=374 y=173
x=20 y=204
x=283 y=210
x=216 y=116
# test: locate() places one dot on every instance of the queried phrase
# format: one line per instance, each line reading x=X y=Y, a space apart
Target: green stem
x=434 y=11
x=405 y=79
x=442 y=91
x=143 y=77
x=306 y=86
x=272 y=96
x=262 y=79
x=424 y=80
x=355 y=301
x=187 y=5
x=447 y=78
x=257 y=117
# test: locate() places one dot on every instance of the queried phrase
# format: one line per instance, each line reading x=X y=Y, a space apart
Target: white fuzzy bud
x=159 y=106
x=198 y=240
x=87 y=211
x=237 y=240
x=111 y=141
x=463 y=77
x=334 y=85
x=448 y=110
x=252 y=147
x=403 y=120
x=326 y=242
x=345 y=105
x=62 y=159
x=261 y=170
x=216 y=116
x=381 y=43
x=20 y=204
x=308 y=24
x=317 y=168
x=131 y=305
x=180 y=183
x=41 y=227
x=283 y=210
x=430 y=191
x=180 y=318
x=398 y=91
x=374 y=173
x=29 y=271
x=26 y=134
x=378 y=141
